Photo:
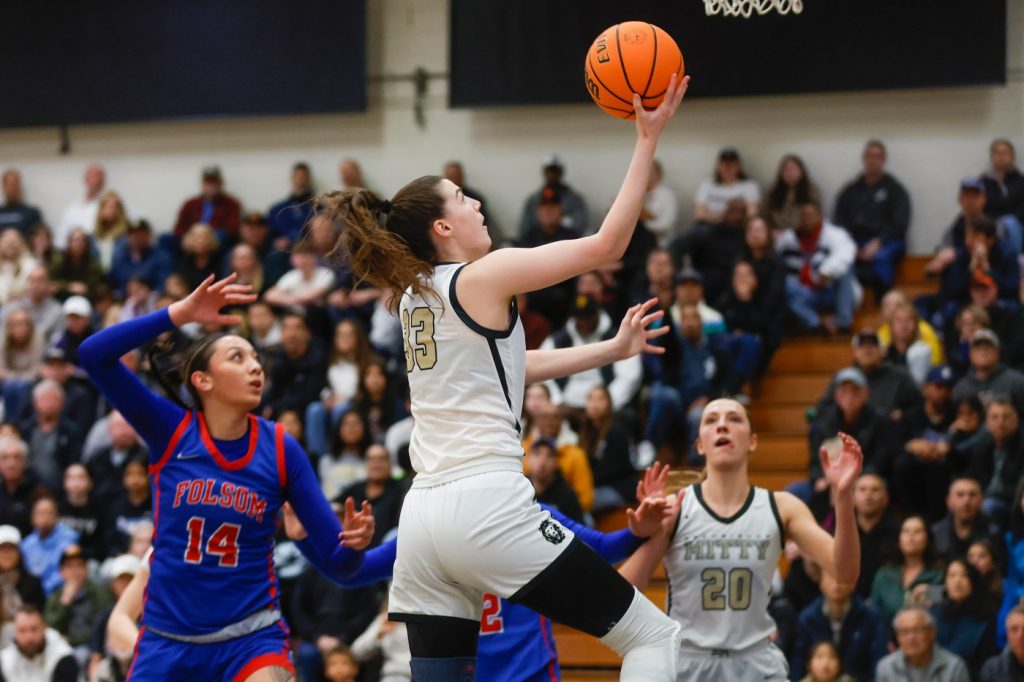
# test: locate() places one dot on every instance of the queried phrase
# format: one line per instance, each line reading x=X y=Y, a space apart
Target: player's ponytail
x=387 y=242
x=172 y=376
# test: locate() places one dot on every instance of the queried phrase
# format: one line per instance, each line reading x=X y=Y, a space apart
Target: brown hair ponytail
x=387 y=243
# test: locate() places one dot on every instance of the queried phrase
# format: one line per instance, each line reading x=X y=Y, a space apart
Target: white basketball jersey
x=466 y=384
x=720 y=571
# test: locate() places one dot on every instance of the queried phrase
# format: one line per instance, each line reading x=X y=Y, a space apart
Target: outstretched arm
x=634 y=337
x=503 y=273
x=838 y=556
x=333 y=552
x=153 y=416
x=377 y=564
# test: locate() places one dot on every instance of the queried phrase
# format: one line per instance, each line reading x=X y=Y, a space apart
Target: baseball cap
x=78 y=305
x=982 y=279
x=211 y=173
x=867 y=335
x=9 y=535
x=985 y=336
x=550 y=196
x=55 y=354
x=254 y=218
x=852 y=375
x=140 y=224
x=126 y=564
x=550 y=442
x=585 y=306
x=972 y=182
x=71 y=552
x=552 y=161
x=689 y=275
x=940 y=375
x=729 y=154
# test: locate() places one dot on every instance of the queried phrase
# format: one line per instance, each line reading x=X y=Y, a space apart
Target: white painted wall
x=934 y=137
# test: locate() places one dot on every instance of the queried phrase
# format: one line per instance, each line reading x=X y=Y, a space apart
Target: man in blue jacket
x=842 y=617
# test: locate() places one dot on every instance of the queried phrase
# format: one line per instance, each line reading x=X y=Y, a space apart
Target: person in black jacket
x=892 y=390
x=19 y=487
x=81 y=511
x=875 y=210
x=106 y=467
x=851 y=413
x=606 y=443
x=997 y=461
x=384 y=493
x=1004 y=185
x=548 y=482
x=130 y=509
x=964 y=524
x=298 y=369
x=747 y=324
x=921 y=472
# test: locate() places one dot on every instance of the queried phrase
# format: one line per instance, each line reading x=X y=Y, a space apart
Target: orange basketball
x=633 y=56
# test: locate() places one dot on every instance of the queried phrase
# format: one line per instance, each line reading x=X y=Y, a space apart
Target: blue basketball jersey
x=516 y=644
x=214 y=518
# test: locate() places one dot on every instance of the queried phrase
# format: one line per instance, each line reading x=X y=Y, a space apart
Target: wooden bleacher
x=797 y=377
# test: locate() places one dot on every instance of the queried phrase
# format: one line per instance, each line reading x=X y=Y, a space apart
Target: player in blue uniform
x=219 y=476
x=516 y=643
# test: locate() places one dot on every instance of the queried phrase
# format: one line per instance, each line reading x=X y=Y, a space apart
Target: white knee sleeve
x=647 y=640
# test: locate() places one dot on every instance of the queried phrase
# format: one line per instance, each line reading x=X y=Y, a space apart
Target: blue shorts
x=160 y=658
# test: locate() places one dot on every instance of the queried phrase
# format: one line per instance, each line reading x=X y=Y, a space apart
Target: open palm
x=842 y=471
x=204 y=304
x=635 y=334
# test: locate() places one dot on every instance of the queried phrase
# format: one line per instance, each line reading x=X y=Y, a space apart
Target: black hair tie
x=385 y=207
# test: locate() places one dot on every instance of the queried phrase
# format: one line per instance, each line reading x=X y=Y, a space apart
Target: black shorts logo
x=552 y=532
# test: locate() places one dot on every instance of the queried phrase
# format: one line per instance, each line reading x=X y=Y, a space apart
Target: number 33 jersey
x=720 y=571
x=466 y=383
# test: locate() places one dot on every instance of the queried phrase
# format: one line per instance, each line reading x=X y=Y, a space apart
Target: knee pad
x=648 y=641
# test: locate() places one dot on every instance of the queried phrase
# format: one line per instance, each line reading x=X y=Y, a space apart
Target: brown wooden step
x=911 y=271
x=611 y=675
x=812 y=355
x=772 y=417
x=779 y=453
x=804 y=388
x=777 y=480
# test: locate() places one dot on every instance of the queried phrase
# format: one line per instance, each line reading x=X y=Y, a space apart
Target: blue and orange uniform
x=211 y=610
x=516 y=643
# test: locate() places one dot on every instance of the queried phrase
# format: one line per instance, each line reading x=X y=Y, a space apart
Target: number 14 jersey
x=720 y=571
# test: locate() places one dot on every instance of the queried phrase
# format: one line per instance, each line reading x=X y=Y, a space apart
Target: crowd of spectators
x=934 y=395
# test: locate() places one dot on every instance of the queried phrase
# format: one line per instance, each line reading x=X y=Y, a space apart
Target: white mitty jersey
x=720 y=571
x=466 y=384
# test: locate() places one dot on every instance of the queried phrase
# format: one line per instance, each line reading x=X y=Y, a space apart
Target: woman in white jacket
x=388 y=638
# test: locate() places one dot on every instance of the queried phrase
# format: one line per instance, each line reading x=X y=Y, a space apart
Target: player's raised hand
x=206 y=301
x=358 y=526
x=635 y=333
x=654 y=482
x=842 y=470
x=293 y=528
x=647 y=518
x=649 y=124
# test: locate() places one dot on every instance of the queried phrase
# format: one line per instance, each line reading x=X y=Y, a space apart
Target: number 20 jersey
x=466 y=383
x=720 y=571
